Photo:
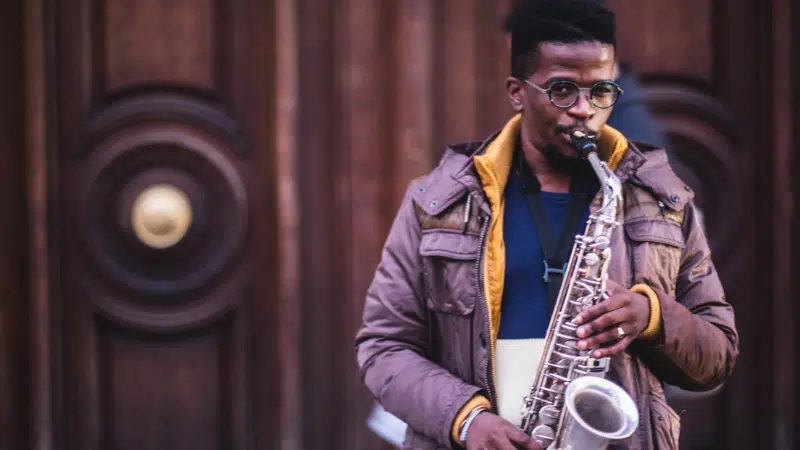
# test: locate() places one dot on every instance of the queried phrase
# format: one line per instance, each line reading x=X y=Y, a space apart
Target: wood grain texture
x=288 y=218
x=785 y=148
x=414 y=94
x=358 y=198
x=316 y=154
x=748 y=95
x=667 y=36
x=182 y=403
x=46 y=427
x=493 y=68
x=456 y=68
x=157 y=42
x=15 y=351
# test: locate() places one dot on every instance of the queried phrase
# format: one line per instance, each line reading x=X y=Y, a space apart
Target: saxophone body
x=571 y=405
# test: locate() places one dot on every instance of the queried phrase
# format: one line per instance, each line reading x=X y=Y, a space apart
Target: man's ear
x=516 y=93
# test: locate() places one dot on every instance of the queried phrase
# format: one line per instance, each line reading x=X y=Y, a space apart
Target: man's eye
x=561 y=89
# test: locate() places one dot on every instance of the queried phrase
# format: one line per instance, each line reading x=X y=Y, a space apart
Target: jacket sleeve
x=392 y=343
x=698 y=343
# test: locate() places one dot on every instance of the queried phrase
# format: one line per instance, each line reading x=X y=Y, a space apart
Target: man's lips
x=567 y=134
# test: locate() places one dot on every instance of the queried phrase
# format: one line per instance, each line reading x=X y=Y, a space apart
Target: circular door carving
x=704 y=153
x=163 y=213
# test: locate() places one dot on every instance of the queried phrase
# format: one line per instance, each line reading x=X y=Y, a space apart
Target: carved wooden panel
x=144 y=42
x=168 y=282
x=283 y=134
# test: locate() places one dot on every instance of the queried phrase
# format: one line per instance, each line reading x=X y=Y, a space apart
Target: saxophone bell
x=598 y=412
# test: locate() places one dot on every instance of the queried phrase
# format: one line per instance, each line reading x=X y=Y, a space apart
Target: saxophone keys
x=544 y=435
x=570 y=348
x=549 y=415
x=602 y=243
x=591 y=259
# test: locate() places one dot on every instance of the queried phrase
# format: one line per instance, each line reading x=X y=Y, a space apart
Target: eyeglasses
x=564 y=94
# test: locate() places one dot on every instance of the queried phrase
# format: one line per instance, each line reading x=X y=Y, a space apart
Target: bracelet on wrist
x=468 y=421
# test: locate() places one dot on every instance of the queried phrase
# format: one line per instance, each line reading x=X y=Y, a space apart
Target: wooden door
x=159 y=324
x=287 y=130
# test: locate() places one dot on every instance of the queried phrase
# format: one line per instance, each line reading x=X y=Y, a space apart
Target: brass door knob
x=161 y=215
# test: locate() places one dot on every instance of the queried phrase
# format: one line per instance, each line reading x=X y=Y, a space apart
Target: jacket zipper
x=482 y=298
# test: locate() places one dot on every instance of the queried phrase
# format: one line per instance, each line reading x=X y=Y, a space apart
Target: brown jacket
x=425 y=346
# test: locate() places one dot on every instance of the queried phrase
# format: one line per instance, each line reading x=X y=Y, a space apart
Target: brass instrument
x=571 y=405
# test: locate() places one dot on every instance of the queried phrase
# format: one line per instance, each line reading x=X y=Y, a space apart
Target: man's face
x=547 y=126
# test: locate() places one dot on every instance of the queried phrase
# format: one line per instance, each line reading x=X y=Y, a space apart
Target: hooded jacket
x=426 y=345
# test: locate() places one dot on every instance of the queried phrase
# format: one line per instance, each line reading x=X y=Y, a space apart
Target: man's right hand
x=491 y=432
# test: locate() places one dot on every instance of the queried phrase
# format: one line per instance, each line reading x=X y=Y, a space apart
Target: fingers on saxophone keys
x=606 y=321
x=611 y=327
x=619 y=347
x=610 y=335
x=612 y=304
x=591 y=313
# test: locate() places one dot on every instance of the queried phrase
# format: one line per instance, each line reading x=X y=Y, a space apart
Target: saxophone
x=571 y=404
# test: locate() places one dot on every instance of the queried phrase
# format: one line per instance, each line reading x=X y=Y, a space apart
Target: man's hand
x=601 y=324
x=491 y=432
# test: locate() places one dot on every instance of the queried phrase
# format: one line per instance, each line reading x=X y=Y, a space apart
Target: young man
x=456 y=315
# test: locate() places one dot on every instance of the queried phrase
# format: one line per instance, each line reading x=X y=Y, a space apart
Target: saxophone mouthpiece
x=584 y=143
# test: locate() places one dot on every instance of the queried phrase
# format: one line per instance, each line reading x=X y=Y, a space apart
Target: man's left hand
x=611 y=325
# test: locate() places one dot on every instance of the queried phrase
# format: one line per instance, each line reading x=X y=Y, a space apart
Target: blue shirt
x=526 y=310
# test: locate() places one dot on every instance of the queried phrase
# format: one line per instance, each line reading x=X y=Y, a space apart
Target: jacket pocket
x=666 y=424
x=655 y=247
x=449 y=262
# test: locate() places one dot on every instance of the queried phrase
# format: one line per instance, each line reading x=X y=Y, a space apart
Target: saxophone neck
x=586 y=145
x=609 y=182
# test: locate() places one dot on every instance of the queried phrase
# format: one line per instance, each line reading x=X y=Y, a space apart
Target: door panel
x=14 y=309
x=146 y=42
x=164 y=193
x=209 y=183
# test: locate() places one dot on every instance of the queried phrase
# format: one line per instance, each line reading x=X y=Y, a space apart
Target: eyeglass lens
x=565 y=93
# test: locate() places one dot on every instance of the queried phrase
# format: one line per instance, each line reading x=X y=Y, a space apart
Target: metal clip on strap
x=548 y=270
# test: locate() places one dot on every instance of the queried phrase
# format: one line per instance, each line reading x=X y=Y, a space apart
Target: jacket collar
x=639 y=163
x=492 y=162
x=649 y=169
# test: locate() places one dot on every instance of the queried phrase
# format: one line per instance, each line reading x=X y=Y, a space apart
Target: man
x=455 y=316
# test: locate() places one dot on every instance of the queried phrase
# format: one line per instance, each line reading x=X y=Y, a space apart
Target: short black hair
x=532 y=22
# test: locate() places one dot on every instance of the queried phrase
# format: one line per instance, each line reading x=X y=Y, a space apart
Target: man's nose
x=583 y=108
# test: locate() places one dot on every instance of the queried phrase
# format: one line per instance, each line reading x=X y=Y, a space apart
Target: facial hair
x=559 y=162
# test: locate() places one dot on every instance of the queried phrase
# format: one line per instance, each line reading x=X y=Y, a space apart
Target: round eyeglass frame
x=549 y=92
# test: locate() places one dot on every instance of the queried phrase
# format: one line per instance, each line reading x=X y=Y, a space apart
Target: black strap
x=583 y=187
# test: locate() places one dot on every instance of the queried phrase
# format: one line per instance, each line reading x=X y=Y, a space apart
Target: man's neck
x=549 y=180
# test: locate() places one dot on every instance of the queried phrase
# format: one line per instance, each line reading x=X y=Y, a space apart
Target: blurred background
x=195 y=194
